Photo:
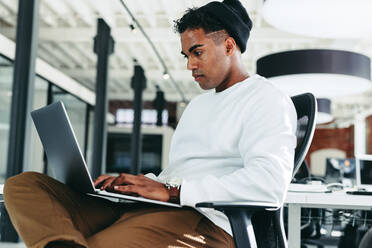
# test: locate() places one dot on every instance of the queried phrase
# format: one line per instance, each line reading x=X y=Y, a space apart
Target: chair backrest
x=306 y=108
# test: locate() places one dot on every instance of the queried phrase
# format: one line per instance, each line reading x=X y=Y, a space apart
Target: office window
x=149 y=116
x=6 y=82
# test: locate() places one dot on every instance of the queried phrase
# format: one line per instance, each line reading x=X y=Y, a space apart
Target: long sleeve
x=266 y=146
x=237 y=144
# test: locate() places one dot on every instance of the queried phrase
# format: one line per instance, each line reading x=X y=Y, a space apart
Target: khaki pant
x=44 y=210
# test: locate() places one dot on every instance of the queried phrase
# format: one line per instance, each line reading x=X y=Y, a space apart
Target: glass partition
x=6 y=82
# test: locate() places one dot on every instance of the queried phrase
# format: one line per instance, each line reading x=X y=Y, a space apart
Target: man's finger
x=120 y=180
x=100 y=179
x=107 y=183
x=125 y=179
x=127 y=189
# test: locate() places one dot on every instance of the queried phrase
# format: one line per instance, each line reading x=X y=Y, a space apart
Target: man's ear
x=230 y=46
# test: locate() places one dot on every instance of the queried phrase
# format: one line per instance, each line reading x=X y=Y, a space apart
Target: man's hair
x=195 y=18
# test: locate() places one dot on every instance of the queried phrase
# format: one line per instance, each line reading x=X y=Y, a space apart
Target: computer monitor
x=340 y=169
x=364 y=170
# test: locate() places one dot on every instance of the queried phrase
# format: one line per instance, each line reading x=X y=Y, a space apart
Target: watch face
x=171 y=185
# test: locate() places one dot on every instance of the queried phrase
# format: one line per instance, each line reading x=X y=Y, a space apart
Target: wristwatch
x=174 y=188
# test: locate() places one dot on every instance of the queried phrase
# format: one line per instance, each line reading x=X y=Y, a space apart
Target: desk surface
x=338 y=199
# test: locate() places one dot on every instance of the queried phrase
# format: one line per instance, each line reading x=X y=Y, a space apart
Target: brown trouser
x=44 y=210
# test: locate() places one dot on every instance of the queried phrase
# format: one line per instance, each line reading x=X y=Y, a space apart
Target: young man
x=235 y=142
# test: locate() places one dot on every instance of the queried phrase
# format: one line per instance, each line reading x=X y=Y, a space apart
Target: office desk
x=337 y=200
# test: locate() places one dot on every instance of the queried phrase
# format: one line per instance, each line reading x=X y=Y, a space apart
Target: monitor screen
x=338 y=169
x=365 y=171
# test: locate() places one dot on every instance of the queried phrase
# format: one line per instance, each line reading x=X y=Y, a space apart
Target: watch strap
x=174 y=193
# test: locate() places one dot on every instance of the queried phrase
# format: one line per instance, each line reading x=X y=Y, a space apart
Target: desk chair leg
x=279 y=227
x=241 y=225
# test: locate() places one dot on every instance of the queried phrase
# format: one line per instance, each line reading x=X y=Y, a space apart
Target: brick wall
x=337 y=138
x=369 y=134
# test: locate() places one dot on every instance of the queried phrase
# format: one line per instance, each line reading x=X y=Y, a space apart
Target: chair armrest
x=223 y=205
x=239 y=214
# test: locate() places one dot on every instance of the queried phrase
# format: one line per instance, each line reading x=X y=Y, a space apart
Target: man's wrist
x=173 y=187
x=174 y=194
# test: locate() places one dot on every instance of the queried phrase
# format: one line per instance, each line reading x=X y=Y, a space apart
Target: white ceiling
x=67 y=28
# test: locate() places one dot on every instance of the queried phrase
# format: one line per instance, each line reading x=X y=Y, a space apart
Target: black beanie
x=233 y=17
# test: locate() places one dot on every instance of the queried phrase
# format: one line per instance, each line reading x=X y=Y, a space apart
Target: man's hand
x=128 y=184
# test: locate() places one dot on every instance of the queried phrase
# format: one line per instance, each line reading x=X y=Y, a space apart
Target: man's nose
x=191 y=64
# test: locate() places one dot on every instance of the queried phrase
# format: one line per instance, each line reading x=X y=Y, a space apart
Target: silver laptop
x=65 y=157
x=364 y=171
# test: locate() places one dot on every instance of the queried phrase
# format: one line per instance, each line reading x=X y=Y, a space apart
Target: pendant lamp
x=323 y=72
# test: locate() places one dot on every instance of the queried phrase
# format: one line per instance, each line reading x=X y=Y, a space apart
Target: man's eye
x=197 y=53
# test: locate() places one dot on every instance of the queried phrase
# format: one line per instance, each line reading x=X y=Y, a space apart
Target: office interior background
x=66 y=69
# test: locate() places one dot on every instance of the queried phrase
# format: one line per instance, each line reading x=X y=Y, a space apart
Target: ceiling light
x=325 y=73
x=320 y=18
x=165 y=75
x=132 y=28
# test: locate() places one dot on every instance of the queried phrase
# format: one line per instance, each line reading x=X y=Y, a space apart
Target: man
x=235 y=142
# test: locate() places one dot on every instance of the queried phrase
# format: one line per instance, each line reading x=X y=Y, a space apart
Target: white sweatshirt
x=234 y=145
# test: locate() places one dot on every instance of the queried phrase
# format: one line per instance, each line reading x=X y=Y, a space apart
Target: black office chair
x=267 y=218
